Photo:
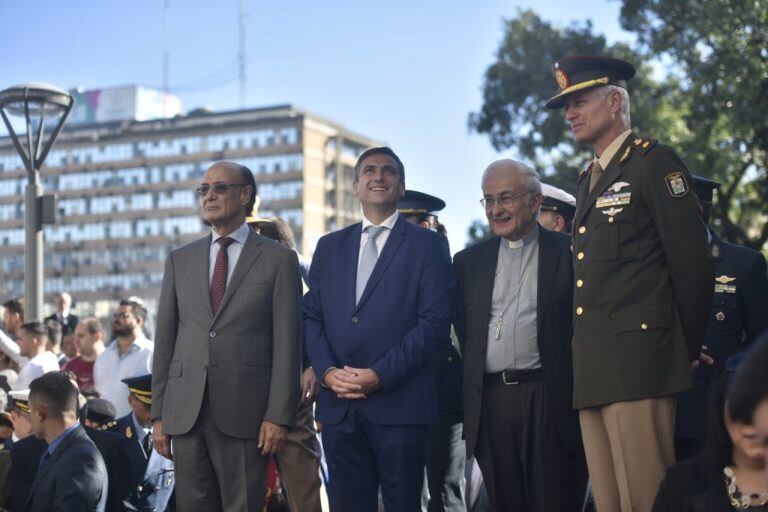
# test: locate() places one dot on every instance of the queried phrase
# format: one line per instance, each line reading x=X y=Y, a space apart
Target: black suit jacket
x=26 y=454
x=67 y=327
x=74 y=478
x=691 y=486
x=476 y=268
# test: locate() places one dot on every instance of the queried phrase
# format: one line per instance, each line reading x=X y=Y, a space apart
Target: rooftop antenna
x=242 y=17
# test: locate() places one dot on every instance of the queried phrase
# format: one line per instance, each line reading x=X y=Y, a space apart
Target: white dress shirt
x=111 y=368
x=388 y=223
x=240 y=235
x=36 y=367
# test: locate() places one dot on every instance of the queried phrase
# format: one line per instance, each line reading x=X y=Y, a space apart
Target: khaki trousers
x=298 y=463
x=629 y=446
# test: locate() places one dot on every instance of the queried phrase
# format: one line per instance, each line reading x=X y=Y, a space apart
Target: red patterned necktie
x=219 y=282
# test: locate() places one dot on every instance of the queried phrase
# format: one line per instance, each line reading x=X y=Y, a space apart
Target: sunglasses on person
x=218 y=188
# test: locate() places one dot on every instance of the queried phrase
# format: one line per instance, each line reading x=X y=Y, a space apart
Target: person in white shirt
x=33 y=338
x=128 y=355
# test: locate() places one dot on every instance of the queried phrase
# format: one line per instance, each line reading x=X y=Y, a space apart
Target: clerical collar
x=526 y=240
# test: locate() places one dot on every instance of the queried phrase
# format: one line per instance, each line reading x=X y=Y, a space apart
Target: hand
x=271 y=437
x=309 y=386
x=365 y=378
x=341 y=383
x=703 y=358
x=161 y=441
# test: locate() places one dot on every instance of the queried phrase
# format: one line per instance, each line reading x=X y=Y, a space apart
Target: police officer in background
x=739 y=315
x=153 y=474
x=557 y=209
x=643 y=290
x=444 y=485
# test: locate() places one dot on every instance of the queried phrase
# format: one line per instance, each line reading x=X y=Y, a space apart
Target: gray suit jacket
x=249 y=353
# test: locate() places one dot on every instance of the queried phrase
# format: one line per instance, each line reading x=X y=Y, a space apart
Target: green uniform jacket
x=643 y=278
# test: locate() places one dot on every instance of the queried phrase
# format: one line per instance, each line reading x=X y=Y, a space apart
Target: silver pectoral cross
x=499 y=324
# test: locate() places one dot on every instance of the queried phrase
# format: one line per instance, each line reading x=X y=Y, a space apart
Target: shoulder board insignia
x=643 y=145
x=677 y=184
x=715 y=251
x=128 y=432
x=108 y=425
x=625 y=155
x=724 y=279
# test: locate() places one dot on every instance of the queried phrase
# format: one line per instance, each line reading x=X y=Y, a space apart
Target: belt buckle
x=504 y=379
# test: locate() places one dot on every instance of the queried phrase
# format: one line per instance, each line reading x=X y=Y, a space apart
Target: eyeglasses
x=121 y=315
x=218 y=188
x=503 y=200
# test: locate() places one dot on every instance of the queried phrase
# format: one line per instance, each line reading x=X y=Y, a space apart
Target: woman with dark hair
x=730 y=474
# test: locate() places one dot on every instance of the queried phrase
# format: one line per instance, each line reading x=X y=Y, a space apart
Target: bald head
x=512 y=195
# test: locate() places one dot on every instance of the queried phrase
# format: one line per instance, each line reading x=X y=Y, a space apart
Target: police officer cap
x=99 y=410
x=579 y=73
x=140 y=387
x=414 y=202
x=558 y=201
x=19 y=399
x=703 y=188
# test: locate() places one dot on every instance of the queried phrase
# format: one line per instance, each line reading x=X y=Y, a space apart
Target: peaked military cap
x=414 y=202
x=703 y=187
x=558 y=201
x=99 y=410
x=140 y=387
x=579 y=73
x=19 y=400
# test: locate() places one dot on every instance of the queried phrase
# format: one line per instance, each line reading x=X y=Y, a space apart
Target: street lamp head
x=41 y=98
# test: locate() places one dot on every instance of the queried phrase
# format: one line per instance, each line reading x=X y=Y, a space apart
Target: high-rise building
x=125 y=193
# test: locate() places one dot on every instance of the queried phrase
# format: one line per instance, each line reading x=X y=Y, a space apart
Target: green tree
x=713 y=130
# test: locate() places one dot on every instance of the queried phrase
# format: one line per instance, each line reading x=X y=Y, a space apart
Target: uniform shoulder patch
x=677 y=185
x=643 y=146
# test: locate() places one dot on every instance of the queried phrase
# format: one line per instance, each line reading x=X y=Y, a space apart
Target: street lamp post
x=42 y=106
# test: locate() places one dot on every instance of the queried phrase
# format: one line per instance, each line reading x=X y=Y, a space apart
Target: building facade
x=125 y=194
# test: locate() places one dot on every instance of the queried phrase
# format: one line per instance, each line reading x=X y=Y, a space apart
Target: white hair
x=525 y=176
x=624 y=112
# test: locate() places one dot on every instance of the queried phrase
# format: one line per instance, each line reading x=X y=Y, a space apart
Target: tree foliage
x=701 y=87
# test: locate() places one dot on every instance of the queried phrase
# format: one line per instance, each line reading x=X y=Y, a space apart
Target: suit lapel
x=248 y=256
x=548 y=260
x=203 y=257
x=482 y=277
x=46 y=467
x=394 y=241
x=610 y=174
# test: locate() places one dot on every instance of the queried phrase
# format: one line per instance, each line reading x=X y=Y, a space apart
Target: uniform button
x=644 y=327
x=582 y=230
x=720 y=316
x=579 y=283
x=212 y=334
x=450 y=359
x=610 y=219
x=579 y=310
x=580 y=256
x=354 y=319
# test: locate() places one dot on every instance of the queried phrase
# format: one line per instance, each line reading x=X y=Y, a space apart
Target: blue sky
x=405 y=72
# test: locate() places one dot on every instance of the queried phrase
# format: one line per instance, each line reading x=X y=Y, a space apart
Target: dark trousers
x=443 y=489
x=362 y=455
x=525 y=466
x=216 y=472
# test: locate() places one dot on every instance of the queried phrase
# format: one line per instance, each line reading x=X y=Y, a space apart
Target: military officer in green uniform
x=643 y=276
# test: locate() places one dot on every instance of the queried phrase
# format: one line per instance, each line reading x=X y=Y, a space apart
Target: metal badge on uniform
x=720 y=316
x=128 y=432
x=722 y=286
x=677 y=186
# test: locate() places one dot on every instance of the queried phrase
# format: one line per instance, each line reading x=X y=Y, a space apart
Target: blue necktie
x=367 y=259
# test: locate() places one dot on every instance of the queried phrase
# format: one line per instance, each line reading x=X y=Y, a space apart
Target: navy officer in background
x=739 y=315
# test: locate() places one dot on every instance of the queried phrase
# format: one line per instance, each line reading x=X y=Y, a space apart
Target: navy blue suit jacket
x=74 y=478
x=402 y=318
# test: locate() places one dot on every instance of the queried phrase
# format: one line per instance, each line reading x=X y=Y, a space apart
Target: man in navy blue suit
x=378 y=308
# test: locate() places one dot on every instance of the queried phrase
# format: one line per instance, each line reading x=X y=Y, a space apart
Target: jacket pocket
x=641 y=319
x=174 y=370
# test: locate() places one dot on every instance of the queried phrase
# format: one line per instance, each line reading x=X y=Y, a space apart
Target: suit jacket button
x=212 y=334
x=450 y=359
x=354 y=319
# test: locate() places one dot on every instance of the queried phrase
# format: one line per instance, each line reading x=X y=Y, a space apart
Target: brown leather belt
x=513 y=377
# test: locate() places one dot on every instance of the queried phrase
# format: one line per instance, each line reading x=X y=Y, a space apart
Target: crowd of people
x=598 y=352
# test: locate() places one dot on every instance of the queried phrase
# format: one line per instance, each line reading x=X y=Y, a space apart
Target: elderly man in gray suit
x=227 y=352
